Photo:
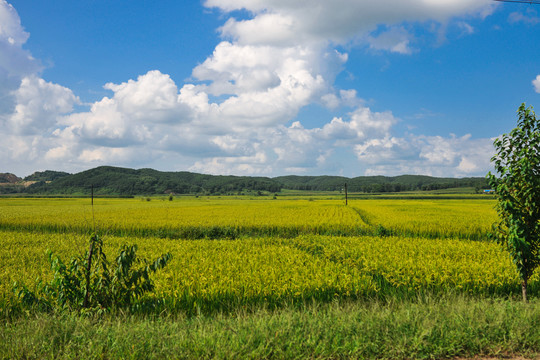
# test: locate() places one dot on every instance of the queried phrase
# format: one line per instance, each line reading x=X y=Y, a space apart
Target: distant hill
x=10 y=183
x=8 y=178
x=108 y=180
x=370 y=184
x=47 y=175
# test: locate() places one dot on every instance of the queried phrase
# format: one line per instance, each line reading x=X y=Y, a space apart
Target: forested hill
x=378 y=183
x=108 y=180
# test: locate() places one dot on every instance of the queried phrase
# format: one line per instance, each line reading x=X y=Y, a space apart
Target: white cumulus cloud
x=428 y=155
x=236 y=115
x=288 y=22
x=536 y=84
x=16 y=63
x=262 y=85
x=38 y=106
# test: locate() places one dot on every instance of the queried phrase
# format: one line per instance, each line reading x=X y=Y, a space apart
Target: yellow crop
x=136 y=217
x=288 y=259
x=470 y=219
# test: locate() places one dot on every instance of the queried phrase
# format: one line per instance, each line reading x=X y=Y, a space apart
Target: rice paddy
x=229 y=253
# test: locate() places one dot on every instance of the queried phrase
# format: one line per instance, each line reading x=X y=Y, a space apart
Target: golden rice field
x=184 y=218
x=270 y=252
x=228 y=217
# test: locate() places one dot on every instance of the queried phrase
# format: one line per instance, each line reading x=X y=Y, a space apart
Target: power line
x=531 y=2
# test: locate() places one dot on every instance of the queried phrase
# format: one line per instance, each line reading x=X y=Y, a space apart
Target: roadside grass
x=427 y=327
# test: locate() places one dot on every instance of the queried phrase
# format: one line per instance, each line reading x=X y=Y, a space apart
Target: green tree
x=517 y=186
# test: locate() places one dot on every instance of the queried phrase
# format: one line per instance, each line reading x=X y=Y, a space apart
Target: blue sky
x=264 y=87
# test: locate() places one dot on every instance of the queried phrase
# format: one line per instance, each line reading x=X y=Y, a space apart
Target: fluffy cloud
x=15 y=62
x=346 y=98
x=263 y=85
x=117 y=130
x=536 y=84
x=286 y=23
x=396 y=40
x=252 y=165
x=10 y=28
x=140 y=111
x=367 y=134
x=429 y=155
x=29 y=106
x=153 y=97
x=237 y=115
x=39 y=103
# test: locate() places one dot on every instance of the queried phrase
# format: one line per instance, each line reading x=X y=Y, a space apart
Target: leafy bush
x=90 y=281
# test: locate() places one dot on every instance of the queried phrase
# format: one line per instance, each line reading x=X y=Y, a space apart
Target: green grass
x=423 y=328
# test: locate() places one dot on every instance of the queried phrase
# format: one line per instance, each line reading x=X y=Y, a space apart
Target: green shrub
x=90 y=281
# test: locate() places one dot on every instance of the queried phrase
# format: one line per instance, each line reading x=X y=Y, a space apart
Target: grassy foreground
x=424 y=328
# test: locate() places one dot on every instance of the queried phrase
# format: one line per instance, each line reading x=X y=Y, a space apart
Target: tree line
x=108 y=180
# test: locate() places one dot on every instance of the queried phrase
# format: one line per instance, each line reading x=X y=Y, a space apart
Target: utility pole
x=346 y=200
x=90 y=253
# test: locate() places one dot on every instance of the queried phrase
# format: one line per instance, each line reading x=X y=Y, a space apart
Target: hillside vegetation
x=108 y=180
